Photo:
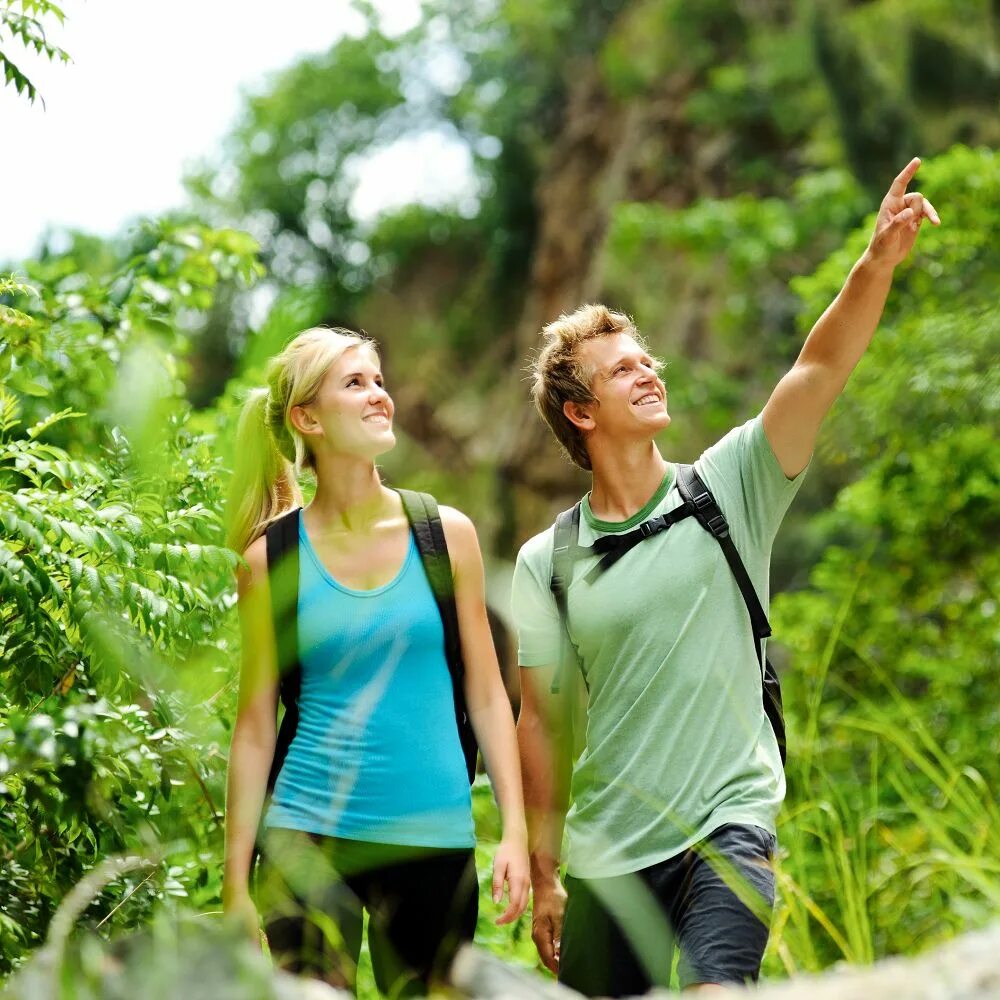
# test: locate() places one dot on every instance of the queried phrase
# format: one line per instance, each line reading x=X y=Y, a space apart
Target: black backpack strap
x=565 y=551
x=282 y=545
x=706 y=509
x=283 y=583
x=425 y=522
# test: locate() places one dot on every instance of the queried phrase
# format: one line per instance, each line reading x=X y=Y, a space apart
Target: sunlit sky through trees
x=152 y=89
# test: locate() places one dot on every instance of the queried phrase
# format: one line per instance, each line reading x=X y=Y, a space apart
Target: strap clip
x=717 y=525
x=702 y=500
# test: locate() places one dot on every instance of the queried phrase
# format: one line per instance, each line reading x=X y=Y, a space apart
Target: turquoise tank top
x=376 y=755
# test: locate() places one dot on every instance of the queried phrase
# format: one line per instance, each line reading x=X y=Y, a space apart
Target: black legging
x=422 y=904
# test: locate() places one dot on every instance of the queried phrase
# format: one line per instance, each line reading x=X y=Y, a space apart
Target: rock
x=967 y=968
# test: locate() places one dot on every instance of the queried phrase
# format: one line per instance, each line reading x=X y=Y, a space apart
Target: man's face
x=631 y=398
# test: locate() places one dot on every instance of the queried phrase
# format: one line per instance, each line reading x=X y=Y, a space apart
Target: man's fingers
x=922 y=208
x=898 y=188
x=905 y=218
x=546 y=945
x=915 y=202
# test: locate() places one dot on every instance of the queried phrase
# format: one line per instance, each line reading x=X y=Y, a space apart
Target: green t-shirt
x=677 y=742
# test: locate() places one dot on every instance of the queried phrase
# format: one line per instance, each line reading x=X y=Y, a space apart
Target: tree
x=26 y=27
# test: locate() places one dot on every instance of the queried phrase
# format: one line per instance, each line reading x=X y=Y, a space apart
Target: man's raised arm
x=795 y=411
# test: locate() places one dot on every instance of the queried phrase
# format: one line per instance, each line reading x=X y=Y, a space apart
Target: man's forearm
x=545 y=766
x=842 y=334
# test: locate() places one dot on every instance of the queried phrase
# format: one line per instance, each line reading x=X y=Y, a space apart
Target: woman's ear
x=303 y=421
x=579 y=415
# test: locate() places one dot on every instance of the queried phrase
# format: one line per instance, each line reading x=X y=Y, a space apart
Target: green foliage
x=25 y=26
x=114 y=584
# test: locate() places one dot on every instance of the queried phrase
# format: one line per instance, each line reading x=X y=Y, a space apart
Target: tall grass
x=888 y=843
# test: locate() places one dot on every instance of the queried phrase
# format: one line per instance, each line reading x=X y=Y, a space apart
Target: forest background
x=710 y=168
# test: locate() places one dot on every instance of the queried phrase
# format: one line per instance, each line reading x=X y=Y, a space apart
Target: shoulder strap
x=425 y=522
x=706 y=509
x=565 y=543
x=283 y=584
x=709 y=514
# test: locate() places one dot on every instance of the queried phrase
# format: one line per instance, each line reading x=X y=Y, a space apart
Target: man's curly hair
x=559 y=375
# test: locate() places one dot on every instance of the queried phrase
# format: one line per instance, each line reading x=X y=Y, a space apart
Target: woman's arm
x=489 y=711
x=255 y=732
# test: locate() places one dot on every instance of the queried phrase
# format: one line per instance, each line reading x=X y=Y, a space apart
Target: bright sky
x=153 y=86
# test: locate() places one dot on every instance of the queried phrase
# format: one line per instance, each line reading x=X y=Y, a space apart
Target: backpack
x=283 y=575
x=698 y=503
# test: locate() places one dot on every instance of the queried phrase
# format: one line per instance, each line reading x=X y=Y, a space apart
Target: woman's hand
x=239 y=907
x=510 y=866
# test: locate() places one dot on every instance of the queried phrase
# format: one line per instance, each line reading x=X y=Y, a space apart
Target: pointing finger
x=898 y=188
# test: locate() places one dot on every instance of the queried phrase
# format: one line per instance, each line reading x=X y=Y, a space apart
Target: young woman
x=371 y=808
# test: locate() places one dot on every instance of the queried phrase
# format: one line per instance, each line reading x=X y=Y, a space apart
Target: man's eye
x=620 y=369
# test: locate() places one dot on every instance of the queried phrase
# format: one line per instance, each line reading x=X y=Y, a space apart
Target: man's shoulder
x=734 y=440
x=537 y=550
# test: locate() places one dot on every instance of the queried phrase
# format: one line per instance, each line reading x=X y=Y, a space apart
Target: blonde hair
x=559 y=375
x=270 y=452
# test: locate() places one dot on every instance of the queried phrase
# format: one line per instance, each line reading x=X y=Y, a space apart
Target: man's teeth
x=650 y=398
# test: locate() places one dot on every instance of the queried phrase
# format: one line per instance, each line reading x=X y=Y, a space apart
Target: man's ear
x=303 y=421
x=579 y=415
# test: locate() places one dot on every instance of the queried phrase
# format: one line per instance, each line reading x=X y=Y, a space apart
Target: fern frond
x=12 y=75
x=10 y=412
x=53 y=418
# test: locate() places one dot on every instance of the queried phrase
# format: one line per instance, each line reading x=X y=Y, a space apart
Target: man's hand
x=899 y=218
x=546 y=922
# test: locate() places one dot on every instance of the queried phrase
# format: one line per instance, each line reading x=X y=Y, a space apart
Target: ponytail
x=264 y=484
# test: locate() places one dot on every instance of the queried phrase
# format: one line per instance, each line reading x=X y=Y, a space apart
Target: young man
x=678 y=785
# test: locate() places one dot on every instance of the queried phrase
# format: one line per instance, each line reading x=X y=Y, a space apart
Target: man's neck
x=625 y=480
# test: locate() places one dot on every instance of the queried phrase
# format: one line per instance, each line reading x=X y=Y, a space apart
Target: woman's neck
x=349 y=497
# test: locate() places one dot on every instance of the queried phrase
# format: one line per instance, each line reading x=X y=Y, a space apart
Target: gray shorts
x=713 y=903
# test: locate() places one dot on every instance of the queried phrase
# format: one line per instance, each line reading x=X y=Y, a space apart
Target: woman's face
x=352 y=413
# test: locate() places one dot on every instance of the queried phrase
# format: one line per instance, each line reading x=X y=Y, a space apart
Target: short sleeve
x=539 y=635
x=743 y=473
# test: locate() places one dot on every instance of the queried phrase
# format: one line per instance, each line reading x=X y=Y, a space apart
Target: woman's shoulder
x=459 y=531
x=252 y=572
